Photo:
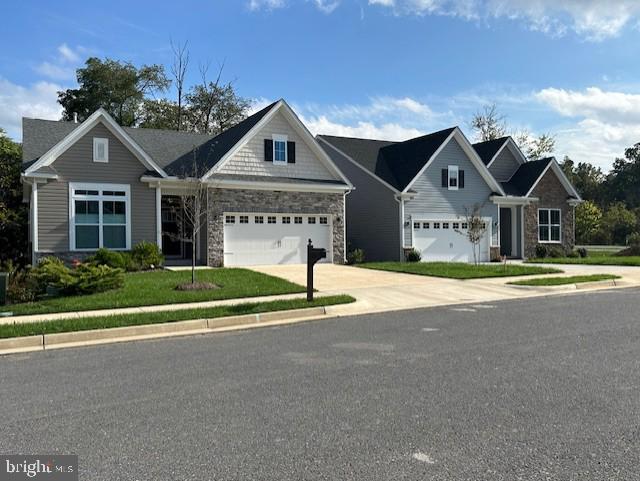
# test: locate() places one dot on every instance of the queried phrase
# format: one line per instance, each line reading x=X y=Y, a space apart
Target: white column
x=159 y=216
x=34 y=220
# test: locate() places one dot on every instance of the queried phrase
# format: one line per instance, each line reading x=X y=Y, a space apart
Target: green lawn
x=122 y=320
x=559 y=281
x=158 y=287
x=459 y=270
x=598 y=259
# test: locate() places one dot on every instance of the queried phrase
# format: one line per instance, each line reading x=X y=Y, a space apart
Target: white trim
x=97 y=141
x=159 y=216
x=300 y=128
x=514 y=231
x=471 y=154
x=371 y=174
x=553 y=164
x=344 y=226
x=39 y=175
x=99 y=116
x=281 y=139
x=550 y=225
x=512 y=200
x=450 y=170
x=100 y=198
x=515 y=150
x=522 y=231
x=34 y=224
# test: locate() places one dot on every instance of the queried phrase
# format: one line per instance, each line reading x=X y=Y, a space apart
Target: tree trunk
x=193 y=258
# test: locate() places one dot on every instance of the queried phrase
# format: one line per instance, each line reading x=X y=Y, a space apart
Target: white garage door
x=441 y=240
x=258 y=239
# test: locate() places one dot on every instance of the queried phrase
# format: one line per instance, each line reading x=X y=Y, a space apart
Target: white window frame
x=73 y=186
x=280 y=138
x=550 y=225
x=100 y=141
x=453 y=172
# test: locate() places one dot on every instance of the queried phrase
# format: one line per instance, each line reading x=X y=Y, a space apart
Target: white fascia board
x=471 y=154
x=350 y=159
x=38 y=175
x=282 y=186
x=561 y=177
x=99 y=116
x=504 y=144
x=512 y=200
x=516 y=151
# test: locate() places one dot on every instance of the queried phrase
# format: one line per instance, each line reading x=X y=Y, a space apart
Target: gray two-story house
x=419 y=194
x=269 y=186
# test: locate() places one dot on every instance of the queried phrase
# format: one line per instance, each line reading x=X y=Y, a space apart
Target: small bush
x=573 y=254
x=20 y=288
x=556 y=252
x=356 y=256
x=541 y=251
x=633 y=239
x=147 y=255
x=413 y=256
x=583 y=252
x=632 y=250
x=91 y=278
x=51 y=272
x=105 y=257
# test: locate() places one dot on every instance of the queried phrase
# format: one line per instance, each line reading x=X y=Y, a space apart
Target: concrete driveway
x=379 y=291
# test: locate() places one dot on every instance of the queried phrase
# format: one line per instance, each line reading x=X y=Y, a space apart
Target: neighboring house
x=416 y=194
x=271 y=187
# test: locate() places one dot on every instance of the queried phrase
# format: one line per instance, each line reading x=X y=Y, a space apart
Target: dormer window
x=100 y=150
x=279 y=149
x=453 y=177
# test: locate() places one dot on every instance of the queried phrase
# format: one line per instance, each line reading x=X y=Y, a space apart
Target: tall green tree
x=618 y=222
x=586 y=178
x=213 y=107
x=622 y=183
x=118 y=87
x=588 y=222
x=13 y=212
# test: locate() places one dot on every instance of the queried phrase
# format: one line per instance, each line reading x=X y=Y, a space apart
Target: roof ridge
x=359 y=138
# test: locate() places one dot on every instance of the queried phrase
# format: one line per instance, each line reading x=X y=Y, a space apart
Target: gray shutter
x=445 y=178
x=268 y=150
x=291 y=152
x=461 y=179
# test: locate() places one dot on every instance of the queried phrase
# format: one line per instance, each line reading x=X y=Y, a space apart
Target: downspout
x=344 y=225
x=400 y=201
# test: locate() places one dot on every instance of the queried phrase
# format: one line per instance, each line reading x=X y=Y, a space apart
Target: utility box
x=4 y=285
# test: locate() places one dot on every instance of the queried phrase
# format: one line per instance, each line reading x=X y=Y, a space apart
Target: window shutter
x=461 y=179
x=268 y=150
x=291 y=152
x=445 y=178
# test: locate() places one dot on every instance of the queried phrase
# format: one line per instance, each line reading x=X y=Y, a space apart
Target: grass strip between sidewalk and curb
x=459 y=270
x=560 y=281
x=138 y=319
x=595 y=260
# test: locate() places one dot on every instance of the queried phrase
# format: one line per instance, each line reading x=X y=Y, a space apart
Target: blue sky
x=372 y=68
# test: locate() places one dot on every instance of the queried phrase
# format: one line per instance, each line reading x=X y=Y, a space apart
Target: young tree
x=535 y=148
x=179 y=72
x=588 y=220
x=476 y=229
x=13 y=212
x=118 y=87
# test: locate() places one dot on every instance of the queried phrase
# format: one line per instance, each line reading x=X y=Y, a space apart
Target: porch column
x=159 y=216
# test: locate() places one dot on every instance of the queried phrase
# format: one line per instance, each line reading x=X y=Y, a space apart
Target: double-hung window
x=549 y=225
x=279 y=149
x=453 y=174
x=100 y=216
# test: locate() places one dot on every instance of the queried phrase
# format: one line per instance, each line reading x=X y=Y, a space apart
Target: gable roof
x=396 y=163
x=488 y=149
x=526 y=177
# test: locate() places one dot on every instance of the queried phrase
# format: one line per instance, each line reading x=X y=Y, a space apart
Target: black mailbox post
x=313 y=256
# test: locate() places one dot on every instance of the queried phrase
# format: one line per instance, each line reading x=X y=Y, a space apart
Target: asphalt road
x=547 y=388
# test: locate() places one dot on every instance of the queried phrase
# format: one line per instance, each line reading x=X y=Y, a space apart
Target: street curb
x=571 y=287
x=151 y=331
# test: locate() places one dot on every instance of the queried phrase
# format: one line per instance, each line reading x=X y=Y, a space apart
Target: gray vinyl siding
x=432 y=198
x=76 y=165
x=372 y=213
x=504 y=165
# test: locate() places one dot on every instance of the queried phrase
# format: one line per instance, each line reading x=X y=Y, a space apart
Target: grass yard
x=123 y=320
x=158 y=287
x=459 y=270
x=595 y=259
x=559 y=281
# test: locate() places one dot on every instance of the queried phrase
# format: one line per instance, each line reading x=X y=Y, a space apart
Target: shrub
x=573 y=254
x=583 y=252
x=356 y=256
x=91 y=278
x=51 y=272
x=633 y=239
x=105 y=257
x=413 y=255
x=556 y=252
x=541 y=251
x=147 y=255
x=20 y=288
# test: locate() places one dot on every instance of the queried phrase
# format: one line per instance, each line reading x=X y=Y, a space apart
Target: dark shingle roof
x=397 y=163
x=173 y=151
x=525 y=177
x=488 y=149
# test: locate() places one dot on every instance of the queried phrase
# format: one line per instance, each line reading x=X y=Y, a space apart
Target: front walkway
x=378 y=291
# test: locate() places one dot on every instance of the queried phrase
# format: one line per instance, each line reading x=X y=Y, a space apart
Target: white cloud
x=38 y=100
x=62 y=66
x=54 y=71
x=266 y=4
x=594 y=20
x=67 y=54
x=327 y=6
x=365 y=130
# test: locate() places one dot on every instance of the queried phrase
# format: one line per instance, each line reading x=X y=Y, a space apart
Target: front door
x=505 y=232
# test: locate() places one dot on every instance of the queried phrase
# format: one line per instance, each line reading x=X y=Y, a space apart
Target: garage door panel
x=446 y=244
x=273 y=243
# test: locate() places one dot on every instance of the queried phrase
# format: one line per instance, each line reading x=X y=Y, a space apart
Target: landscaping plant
x=356 y=256
x=413 y=255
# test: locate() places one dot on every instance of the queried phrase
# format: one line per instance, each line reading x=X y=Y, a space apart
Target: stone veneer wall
x=241 y=200
x=551 y=194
